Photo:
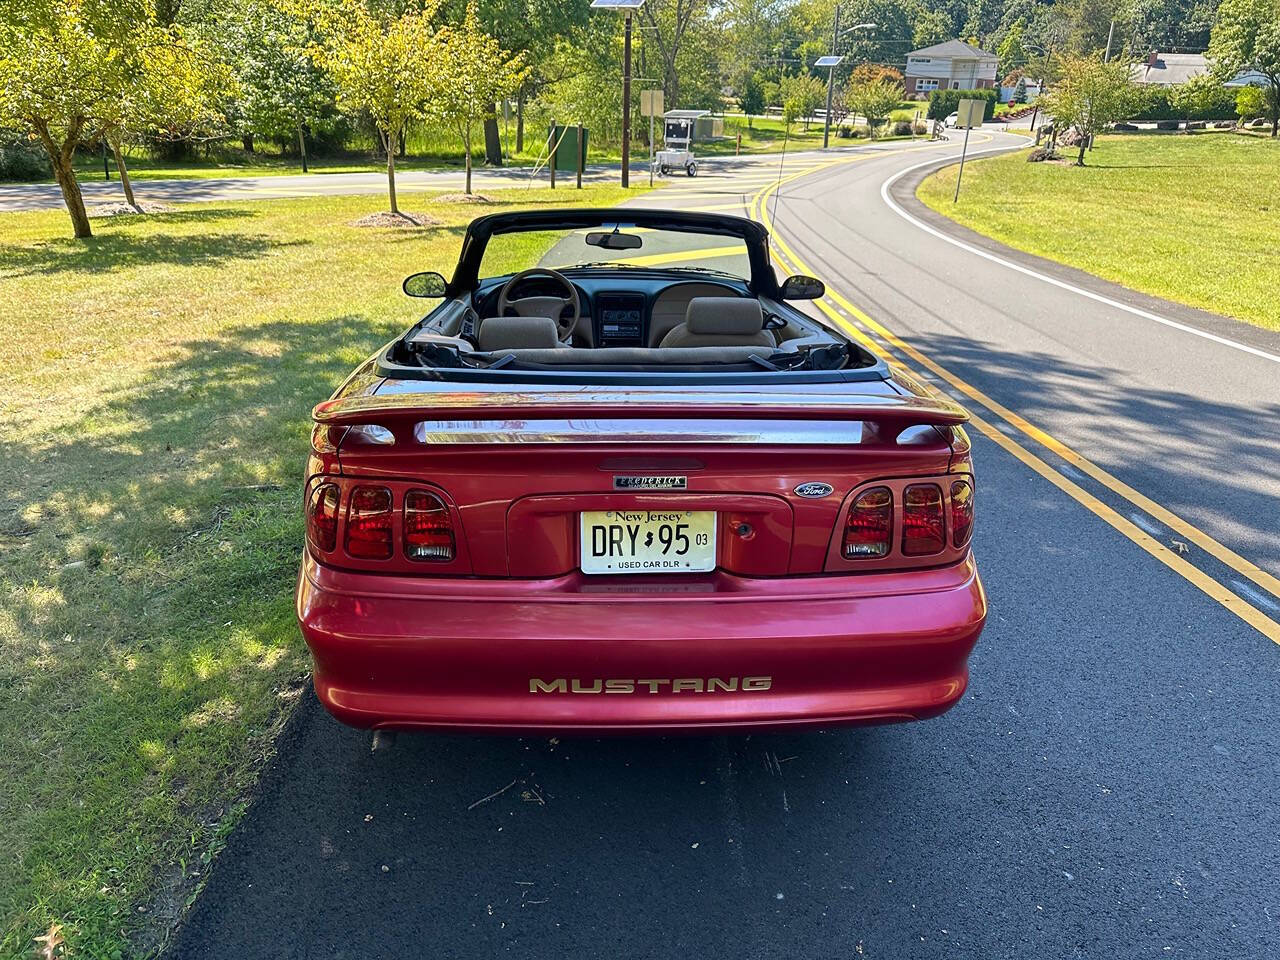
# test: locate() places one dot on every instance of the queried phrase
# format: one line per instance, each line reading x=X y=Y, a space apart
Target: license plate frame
x=642 y=551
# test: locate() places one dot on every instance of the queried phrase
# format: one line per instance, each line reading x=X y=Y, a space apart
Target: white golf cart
x=677 y=136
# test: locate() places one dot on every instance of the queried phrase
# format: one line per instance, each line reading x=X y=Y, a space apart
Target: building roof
x=954 y=49
x=1167 y=69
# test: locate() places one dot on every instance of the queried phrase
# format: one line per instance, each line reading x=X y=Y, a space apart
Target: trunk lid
x=519 y=467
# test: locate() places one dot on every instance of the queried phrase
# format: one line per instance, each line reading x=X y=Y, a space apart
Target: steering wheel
x=552 y=307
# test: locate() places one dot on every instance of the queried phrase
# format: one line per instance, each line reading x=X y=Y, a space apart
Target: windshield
x=627 y=247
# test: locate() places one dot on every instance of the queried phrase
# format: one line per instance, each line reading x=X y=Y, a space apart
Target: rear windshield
x=564 y=249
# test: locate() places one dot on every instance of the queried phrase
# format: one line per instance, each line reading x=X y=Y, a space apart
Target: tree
x=752 y=99
x=1020 y=90
x=802 y=94
x=667 y=22
x=1251 y=102
x=1011 y=51
x=1088 y=95
x=873 y=99
x=1246 y=36
x=65 y=65
x=887 y=42
x=283 y=91
x=386 y=67
x=475 y=72
x=173 y=96
x=930 y=27
x=1193 y=97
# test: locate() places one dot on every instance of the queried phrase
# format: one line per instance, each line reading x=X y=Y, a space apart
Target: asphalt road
x=1106 y=789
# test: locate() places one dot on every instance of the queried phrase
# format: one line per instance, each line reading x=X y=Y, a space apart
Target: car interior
x=629 y=317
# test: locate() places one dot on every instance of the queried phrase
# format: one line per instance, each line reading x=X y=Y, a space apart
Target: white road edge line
x=1136 y=311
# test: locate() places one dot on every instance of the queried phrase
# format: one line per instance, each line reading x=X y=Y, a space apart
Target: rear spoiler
x=886 y=415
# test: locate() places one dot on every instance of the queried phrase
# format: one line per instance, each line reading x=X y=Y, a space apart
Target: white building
x=953 y=65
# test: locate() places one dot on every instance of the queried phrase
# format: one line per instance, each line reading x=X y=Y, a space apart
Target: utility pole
x=831 y=77
x=627 y=8
x=626 y=103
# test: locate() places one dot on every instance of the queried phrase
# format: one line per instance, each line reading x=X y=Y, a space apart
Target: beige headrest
x=724 y=316
x=518 y=333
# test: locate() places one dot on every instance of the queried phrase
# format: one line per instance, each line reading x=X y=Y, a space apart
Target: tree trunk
x=468 y=190
x=1084 y=142
x=520 y=121
x=492 y=140
x=302 y=148
x=247 y=142
x=66 y=177
x=125 y=182
x=391 y=168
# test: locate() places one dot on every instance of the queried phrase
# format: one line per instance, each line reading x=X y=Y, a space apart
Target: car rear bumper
x=618 y=654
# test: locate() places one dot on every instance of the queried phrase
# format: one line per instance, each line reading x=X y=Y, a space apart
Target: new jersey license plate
x=648 y=541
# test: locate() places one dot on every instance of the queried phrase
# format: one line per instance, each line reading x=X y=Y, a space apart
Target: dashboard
x=630 y=311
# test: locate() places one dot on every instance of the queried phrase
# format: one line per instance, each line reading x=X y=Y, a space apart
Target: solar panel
x=618 y=4
x=828 y=61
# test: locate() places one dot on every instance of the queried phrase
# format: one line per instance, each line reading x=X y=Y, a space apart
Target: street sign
x=969 y=114
x=651 y=103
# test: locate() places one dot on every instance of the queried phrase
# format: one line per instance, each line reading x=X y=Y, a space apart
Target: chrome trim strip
x=649 y=430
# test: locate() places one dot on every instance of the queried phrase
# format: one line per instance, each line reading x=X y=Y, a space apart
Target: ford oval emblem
x=814 y=490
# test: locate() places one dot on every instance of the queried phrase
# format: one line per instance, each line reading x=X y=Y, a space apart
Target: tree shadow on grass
x=109 y=252
x=147 y=634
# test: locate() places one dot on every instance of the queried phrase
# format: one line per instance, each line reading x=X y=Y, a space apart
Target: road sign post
x=651 y=105
x=969 y=114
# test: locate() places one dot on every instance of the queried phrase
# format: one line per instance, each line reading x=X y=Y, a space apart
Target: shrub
x=901 y=128
x=22 y=159
x=1250 y=102
x=943 y=103
x=1158 y=103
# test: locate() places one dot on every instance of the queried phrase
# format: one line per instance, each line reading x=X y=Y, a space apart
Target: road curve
x=1106 y=788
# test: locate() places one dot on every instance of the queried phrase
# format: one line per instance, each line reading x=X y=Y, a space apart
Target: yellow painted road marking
x=1194 y=575
x=706 y=253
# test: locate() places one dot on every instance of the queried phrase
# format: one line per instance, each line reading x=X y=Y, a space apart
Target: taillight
x=868 y=530
x=369 y=523
x=322 y=517
x=961 y=512
x=428 y=531
x=922 y=530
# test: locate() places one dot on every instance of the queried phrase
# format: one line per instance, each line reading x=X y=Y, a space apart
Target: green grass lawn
x=1189 y=218
x=765 y=135
x=156 y=384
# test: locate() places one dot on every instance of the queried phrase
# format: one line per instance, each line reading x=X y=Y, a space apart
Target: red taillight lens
x=922 y=531
x=961 y=512
x=428 y=531
x=322 y=517
x=868 y=530
x=369 y=523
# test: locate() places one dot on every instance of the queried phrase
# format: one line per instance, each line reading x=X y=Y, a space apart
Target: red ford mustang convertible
x=634 y=489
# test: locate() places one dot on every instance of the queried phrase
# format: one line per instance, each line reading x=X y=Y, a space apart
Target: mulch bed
x=122 y=209
x=385 y=218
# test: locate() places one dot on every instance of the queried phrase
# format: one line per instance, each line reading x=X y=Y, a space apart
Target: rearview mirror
x=803 y=288
x=613 y=240
x=428 y=284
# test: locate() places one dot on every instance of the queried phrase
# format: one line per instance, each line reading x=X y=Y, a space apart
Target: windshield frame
x=761 y=282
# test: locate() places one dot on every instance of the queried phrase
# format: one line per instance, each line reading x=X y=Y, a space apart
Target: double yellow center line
x=1162 y=552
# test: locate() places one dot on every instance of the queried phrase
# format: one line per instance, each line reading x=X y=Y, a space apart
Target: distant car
x=952 y=120
x=645 y=493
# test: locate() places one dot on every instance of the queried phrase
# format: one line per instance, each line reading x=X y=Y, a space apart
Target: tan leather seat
x=518 y=333
x=721 y=322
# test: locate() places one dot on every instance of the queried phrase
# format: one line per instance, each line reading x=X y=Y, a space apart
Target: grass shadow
x=109 y=252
